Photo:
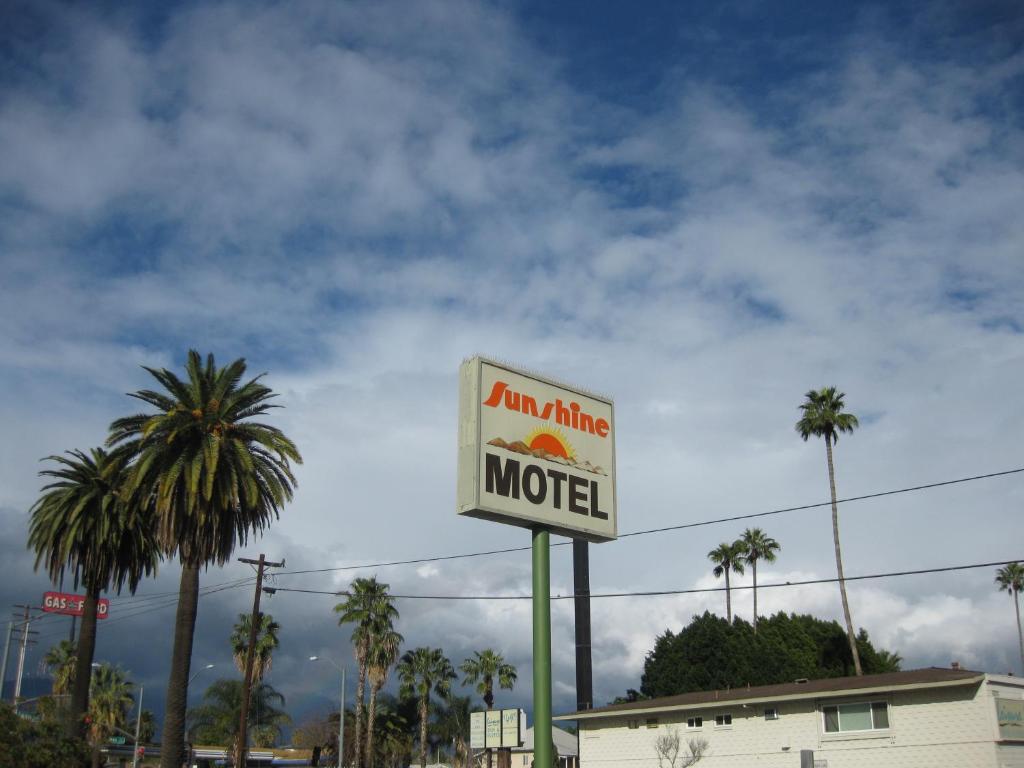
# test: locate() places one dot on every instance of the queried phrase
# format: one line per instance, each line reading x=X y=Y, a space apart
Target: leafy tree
x=28 y=744
x=369 y=607
x=110 y=704
x=1010 y=578
x=81 y=525
x=147 y=727
x=421 y=671
x=727 y=557
x=712 y=654
x=823 y=416
x=382 y=655
x=392 y=746
x=267 y=642
x=213 y=476
x=60 y=663
x=451 y=724
x=482 y=668
x=216 y=720
x=757 y=545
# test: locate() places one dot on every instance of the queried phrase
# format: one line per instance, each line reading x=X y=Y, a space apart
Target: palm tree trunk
x=728 y=598
x=371 y=716
x=1020 y=635
x=172 y=753
x=75 y=726
x=423 y=732
x=839 y=560
x=357 y=748
x=753 y=566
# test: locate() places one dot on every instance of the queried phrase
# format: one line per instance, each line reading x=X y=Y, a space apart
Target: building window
x=771 y=713
x=695 y=722
x=652 y=722
x=863 y=716
x=723 y=720
x=634 y=724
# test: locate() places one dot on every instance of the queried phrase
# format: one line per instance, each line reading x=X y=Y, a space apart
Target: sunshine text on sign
x=508 y=480
x=571 y=416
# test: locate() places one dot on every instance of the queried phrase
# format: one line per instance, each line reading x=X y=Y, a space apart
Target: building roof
x=565 y=742
x=932 y=677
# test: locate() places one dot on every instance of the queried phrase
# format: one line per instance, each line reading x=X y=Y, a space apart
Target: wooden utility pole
x=261 y=565
x=24 y=643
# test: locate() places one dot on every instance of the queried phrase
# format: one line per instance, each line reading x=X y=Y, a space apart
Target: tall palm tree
x=213 y=476
x=482 y=668
x=727 y=557
x=80 y=525
x=216 y=720
x=421 y=671
x=266 y=643
x=367 y=606
x=823 y=416
x=60 y=663
x=110 y=702
x=383 y=653
x=1010 y=578
x=757 y=545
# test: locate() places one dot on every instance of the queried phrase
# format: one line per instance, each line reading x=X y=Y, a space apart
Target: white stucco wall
x=930 y=728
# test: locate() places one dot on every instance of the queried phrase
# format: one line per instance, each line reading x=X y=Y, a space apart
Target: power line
x=681 y=526
x=662 y=592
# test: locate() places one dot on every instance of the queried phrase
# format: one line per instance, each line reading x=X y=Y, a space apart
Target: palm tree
x=421 y=671
x=481 y=671
x=213 y=476
x=80 y=525
x=383 y=653
x=757 y=545
x=60 y=662
x=110 y=701
x=368 y=605
x=1010 y=578
x=452 y=725
x=266 y=643
x=823 y=416
x=216 y=720
x=727 y=557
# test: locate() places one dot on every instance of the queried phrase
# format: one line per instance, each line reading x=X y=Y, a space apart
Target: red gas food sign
x=72 y=605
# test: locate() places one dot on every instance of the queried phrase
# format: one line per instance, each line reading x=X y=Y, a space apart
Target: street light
x=341 y=712
x=197 y=674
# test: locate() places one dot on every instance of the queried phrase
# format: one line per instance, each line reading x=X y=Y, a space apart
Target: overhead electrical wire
x=681 y=526
x=663 y=592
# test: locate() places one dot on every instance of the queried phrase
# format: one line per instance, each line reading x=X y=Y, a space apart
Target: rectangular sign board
x=72 y=605
x=1010 y=716
x=476 y=730
x=492 y=736
x=512 y=721
x=535 y=453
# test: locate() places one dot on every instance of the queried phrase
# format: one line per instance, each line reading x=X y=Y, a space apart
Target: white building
x=565 y=743
x=927 y=718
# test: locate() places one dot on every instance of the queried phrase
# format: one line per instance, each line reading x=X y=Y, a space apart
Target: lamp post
x=138 y=727
x=341 y=712
x=197 y=674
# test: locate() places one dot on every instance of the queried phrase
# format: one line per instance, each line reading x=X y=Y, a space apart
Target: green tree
x=1010 y=579
x=727 y=557
x=482 y=668
x=451 y=724
x=267 y=642
x=823 y=416
x=421 y=671
x=29 y=744
x=368 y=607
x=382 y=655
x=213 y=476
x=757 y=545
x=81 y=526
x=60 y=663
x=110 y=705
x=216 y=720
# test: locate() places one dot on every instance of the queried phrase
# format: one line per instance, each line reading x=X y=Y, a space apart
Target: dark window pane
x=880 y=712
x=831 y=719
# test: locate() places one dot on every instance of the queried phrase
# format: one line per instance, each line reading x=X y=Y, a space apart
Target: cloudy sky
x=702 y=210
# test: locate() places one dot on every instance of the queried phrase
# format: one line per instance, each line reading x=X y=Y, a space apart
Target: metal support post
x=138 y=728
x=21 y=656
x=7 y=652
x=341 y=723
x=542 y=648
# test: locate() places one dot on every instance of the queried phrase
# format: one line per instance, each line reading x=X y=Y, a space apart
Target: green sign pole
x=542 y=649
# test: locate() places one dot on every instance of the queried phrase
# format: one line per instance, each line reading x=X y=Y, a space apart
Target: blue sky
x=703 y=210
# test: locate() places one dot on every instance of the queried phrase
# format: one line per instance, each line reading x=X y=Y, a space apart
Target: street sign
x=477 y=730
x=72 y=605
x=118 y=741
x=535 y=453
x=492 y=737
x=512 y=721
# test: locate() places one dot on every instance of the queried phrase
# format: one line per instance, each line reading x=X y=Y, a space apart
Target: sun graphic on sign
x=551 y=440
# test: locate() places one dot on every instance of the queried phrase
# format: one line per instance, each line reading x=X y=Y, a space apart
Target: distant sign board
x=492 y=737
x=535 y=453
x=512 y=722
x=72 y=605
x=1010 y=716
x=477 y=730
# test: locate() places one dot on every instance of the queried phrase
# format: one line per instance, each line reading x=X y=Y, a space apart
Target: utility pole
x=138 y=727
x=7 y=652
x=261 y=565
x=25 y=632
